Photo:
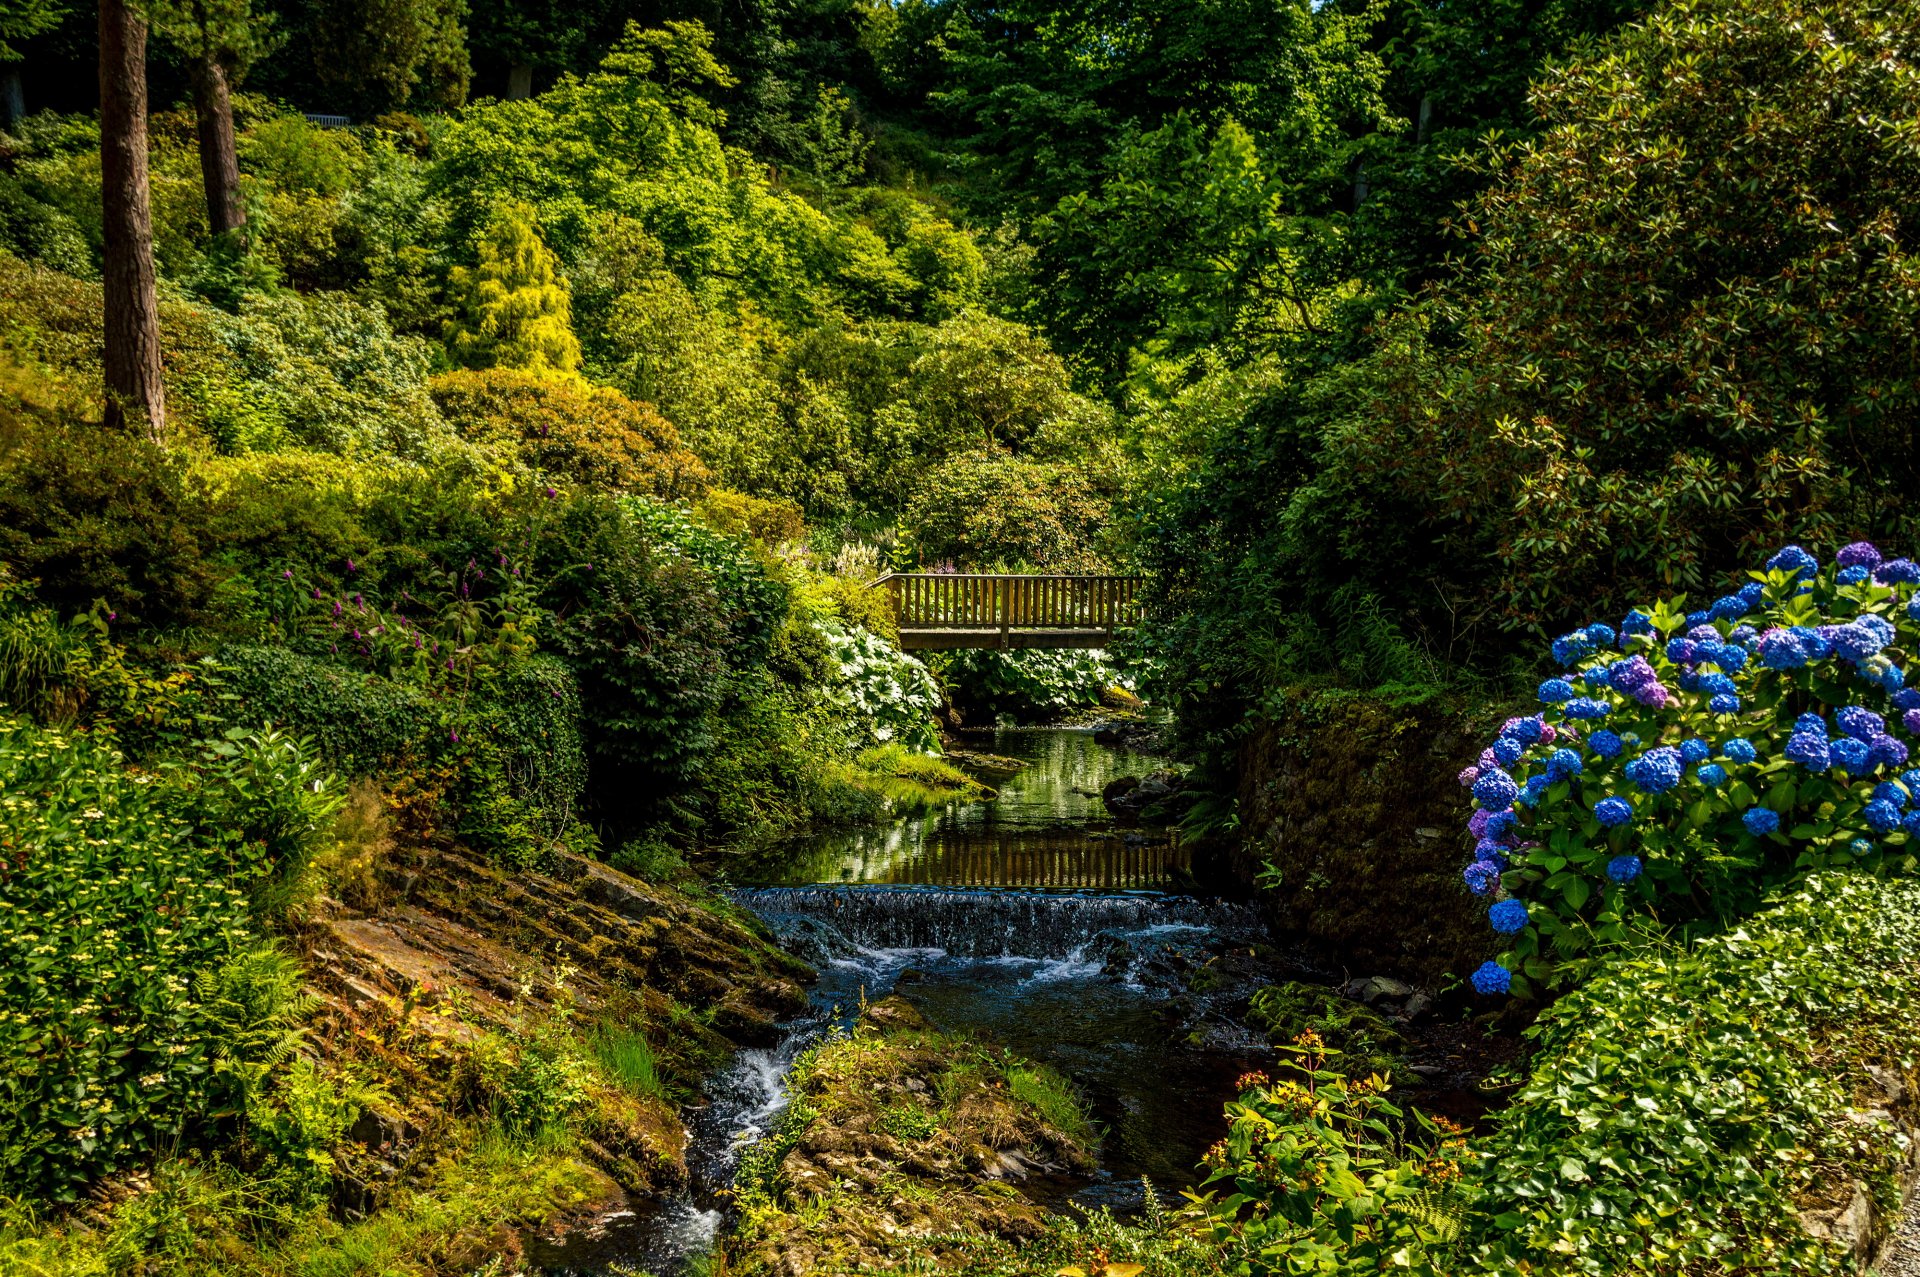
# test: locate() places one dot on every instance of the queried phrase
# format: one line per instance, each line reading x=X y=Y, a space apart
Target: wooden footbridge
x=946 y=610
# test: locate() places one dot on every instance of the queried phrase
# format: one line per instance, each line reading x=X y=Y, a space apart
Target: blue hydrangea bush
x=1683 y=761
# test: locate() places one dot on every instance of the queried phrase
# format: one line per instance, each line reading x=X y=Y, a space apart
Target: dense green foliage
x=1659 y=358
x=125 y=894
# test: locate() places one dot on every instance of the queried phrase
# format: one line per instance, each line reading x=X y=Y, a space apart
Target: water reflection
x=1047 y=828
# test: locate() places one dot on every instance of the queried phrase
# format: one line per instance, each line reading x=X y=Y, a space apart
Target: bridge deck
x=941 y=611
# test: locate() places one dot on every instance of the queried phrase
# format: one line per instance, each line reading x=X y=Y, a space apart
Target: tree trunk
x=13 y=96
x=219 y=163
x=136 y=398
x=520 y=81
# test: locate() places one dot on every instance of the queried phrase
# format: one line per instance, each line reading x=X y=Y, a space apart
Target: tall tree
x=136 y=397
x=220 y=39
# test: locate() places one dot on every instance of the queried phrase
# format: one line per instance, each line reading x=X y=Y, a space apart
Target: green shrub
x=1680 y=1105
x=1035 y=684
x=357 y=721
x=114 y=905
x=879 y=693
x=328 y=373
x=569 y=432
x=754 y=595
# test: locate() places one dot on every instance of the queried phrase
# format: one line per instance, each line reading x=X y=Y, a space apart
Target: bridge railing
x=984 y=600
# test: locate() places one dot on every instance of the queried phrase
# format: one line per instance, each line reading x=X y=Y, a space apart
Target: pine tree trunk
x=219 y=163
x=136 y=398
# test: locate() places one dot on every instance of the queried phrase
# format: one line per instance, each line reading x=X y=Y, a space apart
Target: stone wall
x=1354 y=801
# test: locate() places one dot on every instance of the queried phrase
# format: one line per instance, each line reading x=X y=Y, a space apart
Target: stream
x=1026 y=919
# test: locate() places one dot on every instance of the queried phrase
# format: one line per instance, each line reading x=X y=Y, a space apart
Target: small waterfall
x=974 y=923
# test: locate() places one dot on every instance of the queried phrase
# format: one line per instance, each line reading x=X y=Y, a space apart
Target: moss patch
x=902 y=1141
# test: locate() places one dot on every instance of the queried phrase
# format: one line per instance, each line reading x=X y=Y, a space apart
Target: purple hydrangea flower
x=1477 y=823
x=1860 y=554
x=1886 y=751
x=1481 y=877
x=1467 y=776
x=1782 y=650
x=1897 y=572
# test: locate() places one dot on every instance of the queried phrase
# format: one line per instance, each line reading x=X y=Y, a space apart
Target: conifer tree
x=516 y=310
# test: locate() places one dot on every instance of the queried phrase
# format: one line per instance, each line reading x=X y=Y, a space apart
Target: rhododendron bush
x=1682 y=761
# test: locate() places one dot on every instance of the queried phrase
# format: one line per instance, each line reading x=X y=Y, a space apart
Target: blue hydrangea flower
x=1594 y=676
x=1715 y=684
x=1898 y=572
x=1912 y=824
x=1854 y=755
x=1500 y=823
x=1490 y=979
x=1818 y=648
x=1490 y=849
x=1637 y=622
x=1495 y=790
x=1889 y=792
x=1623 y=869
x=1481 y=877
x=1730 y=607
x=1712 y=774
x=1881 y=816
x=1680 y=650
x=1861 y=724
x=1508 y=917
x=1507 y=751
x=1851 y=576
x=1657 y=770
x=1752 y=592
x=1810 y=750
x=1696 y=619
x=1731 y=658
x=1860 y=554
x=1555 y=690
x=1725 y=703
x=1745 y=635
x=1860 y=847
x=1810 y=723
x=1739 y=749
x=1613 y=812
x=1586 y=707
x=1606 y=743
x=1600 y=634
x=1569 y=649
x=1794 y=561
x=1532 y=792
x=1782 y=650
x=1761 y=821
x=1562 y=763
x=1886 y=751
x=1695 y=750
x=1909 y=699
x=1912 y=781
x=1525 y=730
x=1913 y=607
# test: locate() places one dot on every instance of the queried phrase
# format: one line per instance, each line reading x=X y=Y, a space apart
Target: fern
x=254 y=1008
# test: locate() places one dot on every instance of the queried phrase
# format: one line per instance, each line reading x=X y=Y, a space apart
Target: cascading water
x=1086 y=980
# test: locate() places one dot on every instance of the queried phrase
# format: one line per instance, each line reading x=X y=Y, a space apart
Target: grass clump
x=627 y=1059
